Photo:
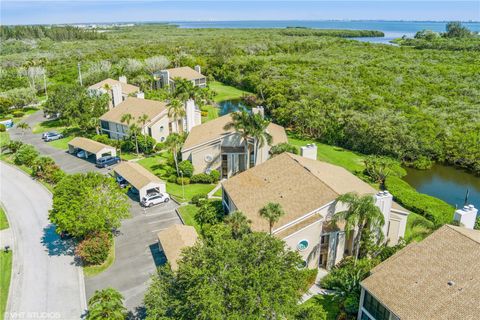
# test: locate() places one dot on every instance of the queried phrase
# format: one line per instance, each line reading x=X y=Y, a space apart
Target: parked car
x=122 y=182
x=81 y=154
x=107 y=161
x=152 y=199
x=49 y=133
x=53 y=136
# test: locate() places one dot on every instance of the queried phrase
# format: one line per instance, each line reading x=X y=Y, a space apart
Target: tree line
x=56 y=33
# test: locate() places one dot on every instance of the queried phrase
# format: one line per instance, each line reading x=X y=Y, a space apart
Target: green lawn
x=91 y=271
x=225 y=92
x=352 y=161
x=175 y=190
x=61 y=143
x=188 y=212
x=212 y=113
x=328 y=303
x=3 y=219
x=5 y=275
x=415 y=233
x=48 y=125
x=4 y=138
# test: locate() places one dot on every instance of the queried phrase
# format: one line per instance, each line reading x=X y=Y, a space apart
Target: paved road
x=136 y=253
x=46 y=283
x=69 y=163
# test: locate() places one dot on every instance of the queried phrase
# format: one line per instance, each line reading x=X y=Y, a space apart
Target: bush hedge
x=196 y=199
x=25 y=155
x=186 y=168
x=201 y=178
x=2 y=127
x=183 y=180
x=94 y=249
x=431 y=208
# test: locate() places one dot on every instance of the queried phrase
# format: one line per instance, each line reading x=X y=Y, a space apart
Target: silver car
x=155 y=198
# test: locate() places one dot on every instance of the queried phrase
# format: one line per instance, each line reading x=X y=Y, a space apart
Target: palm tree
x=24 y=126
x=135 y=131
x=106 y=304
x=239 y=223
x=242 y=125
x=176 y=110
x=143 y=120
x=127 y=119
x=272 y=212
x=259 y=134
x=94 y=122
x=361 y=213
x=174 y=142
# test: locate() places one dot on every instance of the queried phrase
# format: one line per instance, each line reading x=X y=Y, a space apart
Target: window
x=161 y=129
x=162 y=139
x=302 y=245
x=375 y=308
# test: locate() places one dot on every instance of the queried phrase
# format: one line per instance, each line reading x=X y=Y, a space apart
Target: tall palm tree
x=174 y=143
x=241 y=123
x=272 y=212
x=239 y=223
x=143 y=119
x=259 y=133
x=361 y=213
x=176 y=110
x=133 y=129
x=24 y=126
x=106 y=304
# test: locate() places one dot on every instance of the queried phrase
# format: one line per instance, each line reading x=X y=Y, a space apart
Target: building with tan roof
x=140 y=178
x=91 y=147
x=174 y=239
x=210 y=147
x=118 y=90
x=307 y=190
x=437 y=278
x=167 y=77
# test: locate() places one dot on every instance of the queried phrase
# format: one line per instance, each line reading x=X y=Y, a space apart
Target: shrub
x=103 y=138
x=172 y=178
x=196 y=199
x=283 y=147
x=14 y=145
x=310 y=277
x=160 y=146
x=18 y=114
x=94 y=249
x=431 y=208
x=45 y=168
x=2 y=127
x=170 y=171
x=310 y=312
x=186 y=168
x=215 y=176
x=351 y=304
x=422 y=163
x=204 y=113
x=201 y=178
x=26 y=155
x=183 y=180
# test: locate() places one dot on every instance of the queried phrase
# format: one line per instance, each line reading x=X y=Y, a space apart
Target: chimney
x=259 y=110
x=140 y=95
x=309 y=151
x=122 y=79
x=198 y=69
x=190 y=114
x=116 y=94
x=384 y=200
x=466 y=216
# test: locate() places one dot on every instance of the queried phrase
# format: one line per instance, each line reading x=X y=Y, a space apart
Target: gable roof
x=135 y=174
x=300 y=185
x=89 y=145
x=184 y=73
x=213 y=130
x=136 y=107
x=414 y=283
x=126 y=88
x=174 y=239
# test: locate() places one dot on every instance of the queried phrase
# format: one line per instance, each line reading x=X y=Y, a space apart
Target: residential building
x=210 y=147
x=118 y=90
x=140 y=178
x=307 y=190
x=91 y=147
x=174 y=239
x=437 y=278
x=158 y=124
x=167 y=77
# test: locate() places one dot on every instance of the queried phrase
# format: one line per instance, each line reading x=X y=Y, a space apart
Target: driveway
x=46 y=283
x=137 y=254
x=69 y=163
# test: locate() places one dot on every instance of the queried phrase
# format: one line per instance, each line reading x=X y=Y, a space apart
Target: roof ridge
x=464 y=234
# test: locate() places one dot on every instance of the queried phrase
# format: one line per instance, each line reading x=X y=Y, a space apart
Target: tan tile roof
x=184 y=73
x=300 y=185
x=136 y=107
x=135 y=174
x=174 y=239
x=88 y=145
x=213 y=130
x=414 y=283
x=126 y=88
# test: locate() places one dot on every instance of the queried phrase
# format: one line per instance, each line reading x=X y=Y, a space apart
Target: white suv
x=155 y=198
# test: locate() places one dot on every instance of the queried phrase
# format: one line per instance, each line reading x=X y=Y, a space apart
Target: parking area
x=137 y=254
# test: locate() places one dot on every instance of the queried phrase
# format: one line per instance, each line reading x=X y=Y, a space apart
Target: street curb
x=8 y=305
x=81 y=277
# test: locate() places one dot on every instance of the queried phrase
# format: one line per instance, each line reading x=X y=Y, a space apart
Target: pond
x=229 y=106
x=446 y=183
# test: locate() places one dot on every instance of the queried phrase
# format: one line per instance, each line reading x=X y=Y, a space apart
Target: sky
x=52 y=12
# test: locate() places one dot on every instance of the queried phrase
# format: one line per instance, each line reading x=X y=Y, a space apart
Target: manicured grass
x=91 y=271
x=225 y=92
x=5 y=275
x=212 y=113
x=352 y=161
x=127 y=156
x=61 y=143
x=48 y=125
x=3 y=219
x=175 y=190
x=418 y=232
x=188 y=212
x=4 y=138
x=328 y=303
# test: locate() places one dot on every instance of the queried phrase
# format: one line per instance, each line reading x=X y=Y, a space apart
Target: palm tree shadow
x=55 y=245
x=139 y=313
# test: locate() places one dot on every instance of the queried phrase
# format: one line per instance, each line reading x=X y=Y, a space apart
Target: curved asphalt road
x=46 y=283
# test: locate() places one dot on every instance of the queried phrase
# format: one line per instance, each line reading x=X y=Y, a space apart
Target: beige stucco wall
x=396 y=227
x=312 y=234
x=197 y=157
x=158 y=133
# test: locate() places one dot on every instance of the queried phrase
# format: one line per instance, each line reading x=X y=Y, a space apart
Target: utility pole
x=80 y=74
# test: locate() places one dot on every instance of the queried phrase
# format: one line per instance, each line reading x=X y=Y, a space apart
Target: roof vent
x=451 y=283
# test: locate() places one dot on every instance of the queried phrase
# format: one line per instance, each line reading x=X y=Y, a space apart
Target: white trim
x=285 y=226
x=209 y=141
x=300 y=230
x=363 y=310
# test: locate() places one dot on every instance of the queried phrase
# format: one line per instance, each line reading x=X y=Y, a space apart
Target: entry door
x=224 y=166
